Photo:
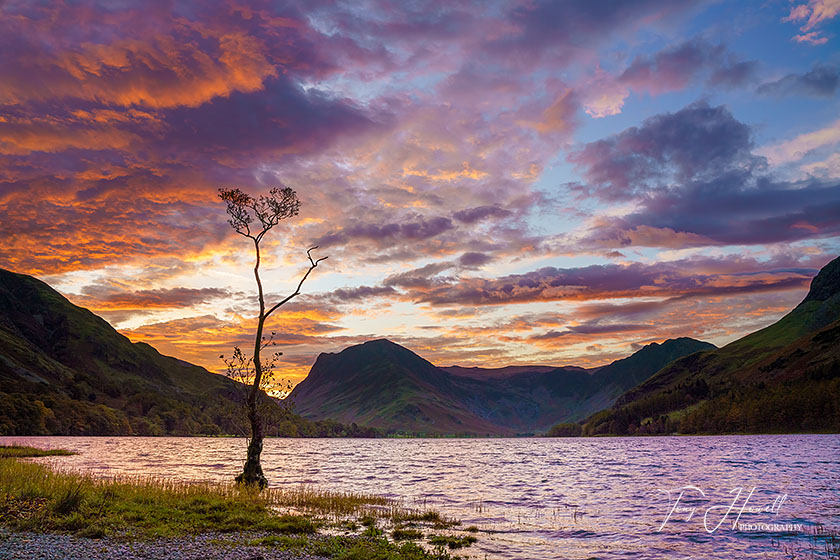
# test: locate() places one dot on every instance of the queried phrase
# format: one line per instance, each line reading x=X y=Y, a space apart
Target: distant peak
x=684 y=339
x=672 y=341
x=825 y=284
x=379 y=346
x=673 y=344
x=380 y=342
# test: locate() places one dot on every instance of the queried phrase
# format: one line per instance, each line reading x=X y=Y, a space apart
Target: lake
x=605 y=498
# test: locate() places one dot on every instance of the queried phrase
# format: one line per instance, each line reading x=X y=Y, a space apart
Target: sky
x=494 y=183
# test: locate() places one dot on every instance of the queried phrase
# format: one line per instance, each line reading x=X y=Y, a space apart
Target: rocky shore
x=209 y=546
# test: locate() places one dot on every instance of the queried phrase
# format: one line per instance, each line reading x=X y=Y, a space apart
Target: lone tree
x=267 y=211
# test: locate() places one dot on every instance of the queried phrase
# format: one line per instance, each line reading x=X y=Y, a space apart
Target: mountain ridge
x=385 y=385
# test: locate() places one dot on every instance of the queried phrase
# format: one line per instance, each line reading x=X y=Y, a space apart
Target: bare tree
x=268 y=211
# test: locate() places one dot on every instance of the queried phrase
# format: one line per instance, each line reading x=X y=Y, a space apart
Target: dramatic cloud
x=546 y=29
x=114 y=297
x=822 y=80
x=591 y=329
x=472 y=215
x=612 y=281
x=513 y=182
x=360 y=293
x=695 y=181
x=474 y=259
x=155 y=60
x=698 y=143
x=139 y=114
x=418 y=277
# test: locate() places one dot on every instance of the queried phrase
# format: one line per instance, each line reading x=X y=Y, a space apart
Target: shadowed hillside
x=784 y=378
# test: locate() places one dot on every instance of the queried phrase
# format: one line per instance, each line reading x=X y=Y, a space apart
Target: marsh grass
x=452 y=541
x=355 y=548
x=20 y=451
x=45 y=498
x=36 y=497
x=824 y=542
x=406 y=534
x=433 y=518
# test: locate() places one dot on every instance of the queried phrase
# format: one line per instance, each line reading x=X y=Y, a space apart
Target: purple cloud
x=360 y=293
x=591 y=329
x=697 y=182
x=419 y=277
x=664 y=280
x=479 y=213
x=675 y=67
x=822 y=81
x=473 y=260
x=386 y=234
x=556 y=30
x=667 y=151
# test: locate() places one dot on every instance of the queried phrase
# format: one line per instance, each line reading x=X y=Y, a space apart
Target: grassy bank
x=34 y=497
x=11 y=451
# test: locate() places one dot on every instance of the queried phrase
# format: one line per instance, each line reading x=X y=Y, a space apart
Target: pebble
x=208 y=546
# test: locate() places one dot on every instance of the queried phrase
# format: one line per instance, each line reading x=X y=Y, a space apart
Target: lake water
x=604 y=498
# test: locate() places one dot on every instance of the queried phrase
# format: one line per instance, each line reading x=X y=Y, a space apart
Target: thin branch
x=313 y=264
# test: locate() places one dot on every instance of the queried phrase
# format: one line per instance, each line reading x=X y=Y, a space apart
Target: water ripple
x=542 y=498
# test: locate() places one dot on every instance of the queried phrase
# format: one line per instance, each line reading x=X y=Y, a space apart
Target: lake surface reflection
x=544 y=498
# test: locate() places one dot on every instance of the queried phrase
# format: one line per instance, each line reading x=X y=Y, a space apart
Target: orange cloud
x=813 y=13
x=21 y=136
x=165 y=70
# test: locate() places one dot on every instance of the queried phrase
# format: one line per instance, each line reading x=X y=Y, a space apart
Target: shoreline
x=28 y=545
x=50 y=513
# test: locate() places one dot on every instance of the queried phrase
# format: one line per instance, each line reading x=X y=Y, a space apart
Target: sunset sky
x=494 y=182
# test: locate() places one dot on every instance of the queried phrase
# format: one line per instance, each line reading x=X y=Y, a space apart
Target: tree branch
x=313 y=264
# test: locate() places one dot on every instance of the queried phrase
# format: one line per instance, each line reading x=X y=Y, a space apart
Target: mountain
x=626 y=373
x=381 y=384
x=65 y=371
x=783 y=378
x=384 y=385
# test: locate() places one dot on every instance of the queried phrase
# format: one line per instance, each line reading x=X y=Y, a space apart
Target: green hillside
x=784 y=378
x=65 y=371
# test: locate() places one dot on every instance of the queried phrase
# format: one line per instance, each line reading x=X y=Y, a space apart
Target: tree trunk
x=253 y=473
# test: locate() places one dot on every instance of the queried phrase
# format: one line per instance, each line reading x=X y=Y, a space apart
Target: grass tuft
x=68 y=500
x=434 y=518
x=342 y=548
x=452 y=541
x=406 y=534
